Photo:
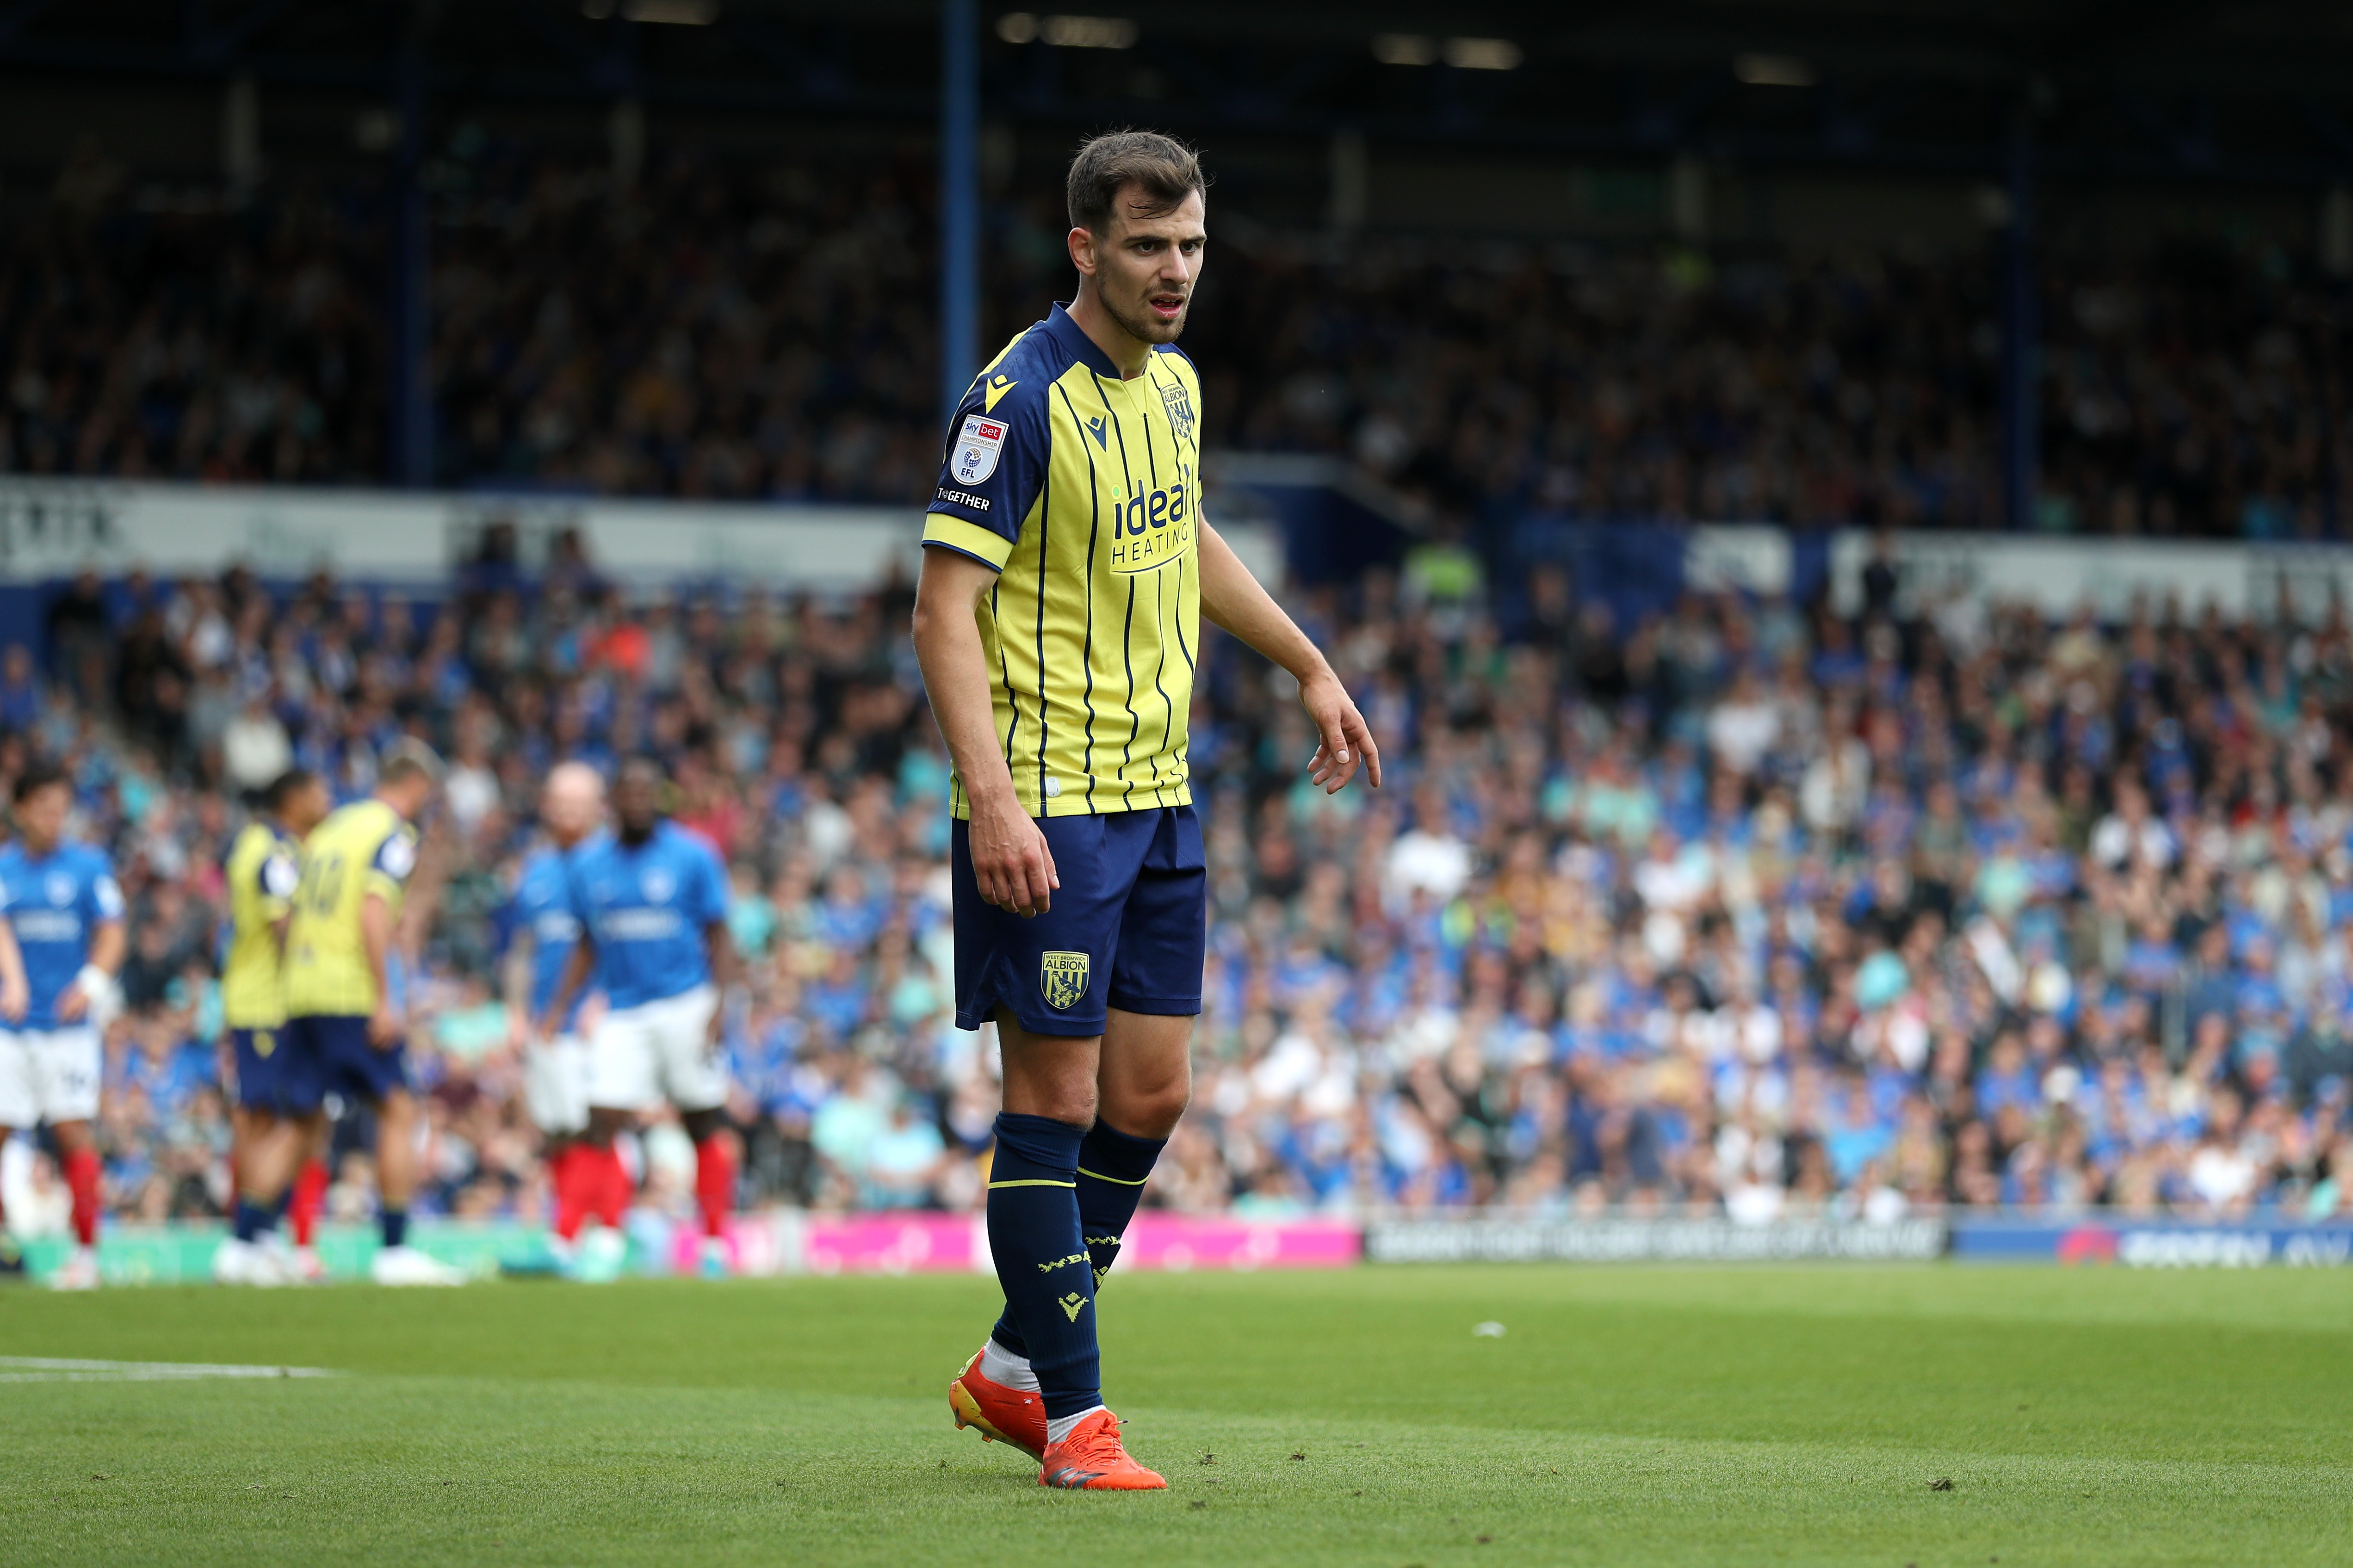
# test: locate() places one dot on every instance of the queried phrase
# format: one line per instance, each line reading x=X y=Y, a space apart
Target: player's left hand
x=72 y=1003
x=383 y=1027
x=1345 y=739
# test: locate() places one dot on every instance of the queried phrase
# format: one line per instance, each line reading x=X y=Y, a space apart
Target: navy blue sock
x=251 y=1220
x=1041 y=1260
x=1113 y=1168
x=396 y=1227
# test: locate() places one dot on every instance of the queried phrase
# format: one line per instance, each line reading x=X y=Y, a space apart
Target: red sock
x=571 y=1169
x=81 y=1180
x=607 y=1183
x=309 y=1196
x=714 y=1181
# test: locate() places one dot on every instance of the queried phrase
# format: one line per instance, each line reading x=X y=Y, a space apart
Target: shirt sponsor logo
x=977 y=447
x=48 y=925
x=963 y=498
x=640 y=925
x=1150 y=529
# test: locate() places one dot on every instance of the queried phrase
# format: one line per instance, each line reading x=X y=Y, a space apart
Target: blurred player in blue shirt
x=65 y=912
x=651 y=900
x=587 y=1178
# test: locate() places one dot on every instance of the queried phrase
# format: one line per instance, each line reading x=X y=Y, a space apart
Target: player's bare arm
x=1233 y=599
x=16 y=991
x=1010 y=862
x=514 y=984
x=377 y=925
x=577 y=970
x=108 y=945
x=726 y=972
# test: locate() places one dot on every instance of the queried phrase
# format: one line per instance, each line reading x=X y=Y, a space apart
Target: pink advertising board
x=931 y=1243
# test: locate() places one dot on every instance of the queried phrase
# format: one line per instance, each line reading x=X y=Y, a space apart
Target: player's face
x=41 y=816
x=636 y=800
x=308 y=807
x=1145 y=267
x=569 y=810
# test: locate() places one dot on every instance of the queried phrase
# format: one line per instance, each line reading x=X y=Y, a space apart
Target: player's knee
x=1152 y=1112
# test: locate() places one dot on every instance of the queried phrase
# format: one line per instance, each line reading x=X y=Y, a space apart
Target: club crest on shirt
x=658 y=885
x=977 y=447
x=1180 y=408
x=1062 y=976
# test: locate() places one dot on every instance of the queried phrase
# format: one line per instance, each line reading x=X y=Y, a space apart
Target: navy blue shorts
x=330 y=1054
x=266 y=1071
x=1126 y=929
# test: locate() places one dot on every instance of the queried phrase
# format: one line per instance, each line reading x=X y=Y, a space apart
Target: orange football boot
x=1091 y=1459
x=1002 y=1414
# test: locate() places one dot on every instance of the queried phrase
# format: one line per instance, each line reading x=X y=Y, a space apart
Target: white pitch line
x=47 y=1369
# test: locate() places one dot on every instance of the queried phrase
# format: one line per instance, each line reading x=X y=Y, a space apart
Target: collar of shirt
x=1075 y=341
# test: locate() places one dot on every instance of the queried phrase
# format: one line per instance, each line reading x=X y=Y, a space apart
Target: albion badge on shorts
x=1062 y=976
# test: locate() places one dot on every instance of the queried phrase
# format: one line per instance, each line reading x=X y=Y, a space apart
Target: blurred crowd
x=736 y=332
x=1746 y=909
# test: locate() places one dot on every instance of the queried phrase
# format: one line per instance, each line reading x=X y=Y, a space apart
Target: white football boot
x=406 y=1266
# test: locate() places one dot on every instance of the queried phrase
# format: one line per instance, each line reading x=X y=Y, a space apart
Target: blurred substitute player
x=588 y=1179
x=263 y=868
x=344 y=1035
x=1067 y=569
x=66 y=914
x=651 y=899
x=13 y=999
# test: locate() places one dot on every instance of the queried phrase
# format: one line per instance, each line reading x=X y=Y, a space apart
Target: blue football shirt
x=542 y=905
x=646 y=909
x=55 y=905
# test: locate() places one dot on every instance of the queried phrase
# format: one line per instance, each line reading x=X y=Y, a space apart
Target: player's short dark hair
x=36 y=778
x=1166 y=169
x=285 y=787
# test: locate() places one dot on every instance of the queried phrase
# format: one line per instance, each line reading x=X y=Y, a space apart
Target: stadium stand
x=691 y=337
x=1749 y=909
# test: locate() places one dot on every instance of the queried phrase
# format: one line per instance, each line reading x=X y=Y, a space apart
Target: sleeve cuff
x=991 y=550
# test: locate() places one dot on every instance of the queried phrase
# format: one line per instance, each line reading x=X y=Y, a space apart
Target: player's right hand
x=15 y=1001
x=1011 y=864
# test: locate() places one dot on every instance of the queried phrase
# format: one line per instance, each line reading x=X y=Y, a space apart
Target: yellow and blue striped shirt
x=263 y=867
x=1083 y=491
x=365 y=848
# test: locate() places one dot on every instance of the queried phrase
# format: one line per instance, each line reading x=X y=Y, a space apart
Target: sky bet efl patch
x=976 y=448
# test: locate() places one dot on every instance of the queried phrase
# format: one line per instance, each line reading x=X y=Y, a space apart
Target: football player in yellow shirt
x=344 y=1033
x=263 y=868
x=1067 y=569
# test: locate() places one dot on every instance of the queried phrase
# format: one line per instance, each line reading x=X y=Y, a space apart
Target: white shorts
x=642 y=1056
x=49 y=1075
x=555 y=1086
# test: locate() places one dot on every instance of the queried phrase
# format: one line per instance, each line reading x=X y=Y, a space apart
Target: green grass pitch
x=1628 y=1415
